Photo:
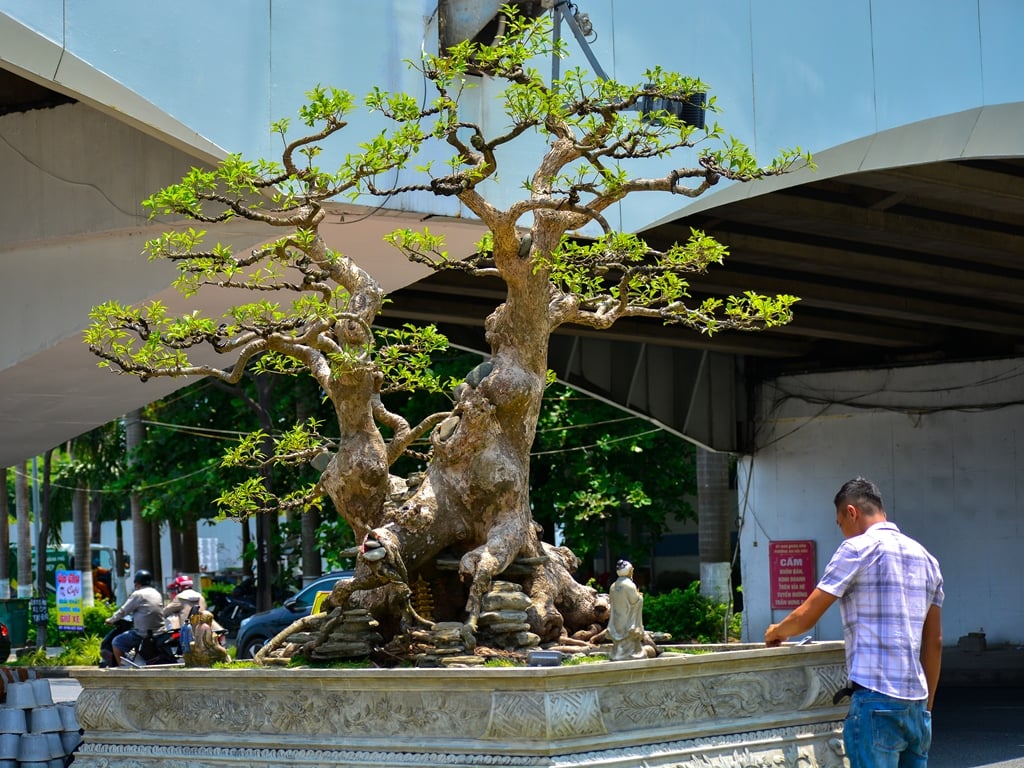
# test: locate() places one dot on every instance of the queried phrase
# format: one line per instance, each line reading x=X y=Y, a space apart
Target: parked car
x=257 y=629
x=5 y=643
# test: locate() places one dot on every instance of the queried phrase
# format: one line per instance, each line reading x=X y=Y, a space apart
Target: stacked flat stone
x=503 y=620
x=447 y=644
x=354 y=637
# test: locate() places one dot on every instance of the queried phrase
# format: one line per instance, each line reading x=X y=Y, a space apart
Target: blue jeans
x=127 y=641
x=883 y=732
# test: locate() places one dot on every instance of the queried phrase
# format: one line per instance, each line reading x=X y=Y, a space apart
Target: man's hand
x=109 y=620
x=772 y=637
x=801 y=619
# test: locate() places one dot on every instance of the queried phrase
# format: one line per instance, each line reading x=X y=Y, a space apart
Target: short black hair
x=860 y=492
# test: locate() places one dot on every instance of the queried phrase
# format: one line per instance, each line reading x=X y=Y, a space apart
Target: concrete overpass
x=904 y=245
x=903 y=362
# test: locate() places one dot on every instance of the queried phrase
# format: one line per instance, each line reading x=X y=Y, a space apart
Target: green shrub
x=689 y=617
x=93 y=620
x=79 y=651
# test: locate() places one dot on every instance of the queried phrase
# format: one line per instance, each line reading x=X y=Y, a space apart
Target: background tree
x=179 y=472
x=92 y=479
x=5 y=540
x=43 y=539
x=610 y=482
x=472 y=502
x=174 y=468
x=142 y=528
x=23 y=510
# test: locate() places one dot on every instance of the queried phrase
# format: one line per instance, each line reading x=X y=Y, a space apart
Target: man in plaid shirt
x=890 y=597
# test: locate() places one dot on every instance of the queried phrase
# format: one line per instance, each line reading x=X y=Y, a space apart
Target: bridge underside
x=911 y=265
x=897 y=261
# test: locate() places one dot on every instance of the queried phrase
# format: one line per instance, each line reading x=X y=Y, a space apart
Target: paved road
x=978 y=728
x=973 y=727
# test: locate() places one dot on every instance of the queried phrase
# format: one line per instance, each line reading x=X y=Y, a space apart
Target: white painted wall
x=226 y=533
x=946 y=446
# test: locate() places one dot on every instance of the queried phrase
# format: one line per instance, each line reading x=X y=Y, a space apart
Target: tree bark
x=83 y=542
x=42 y=541
x=142 y=538
x=175 y=537
x=266 y=559
x=5 y=541
x=24 y=516
x=475 y=500
x=190 y=547
x=119 y=547
x=247 y=561
x=44 y=524
x=155 y=554
x=310 y=552
x=310 y=519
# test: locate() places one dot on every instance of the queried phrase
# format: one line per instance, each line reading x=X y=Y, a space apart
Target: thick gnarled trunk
x=473 y=506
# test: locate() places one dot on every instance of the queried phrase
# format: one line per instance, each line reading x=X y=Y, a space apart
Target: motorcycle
x=160 y=647
x=230 y=610
x=163 y=647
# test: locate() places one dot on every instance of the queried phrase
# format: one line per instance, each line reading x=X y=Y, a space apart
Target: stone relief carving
x=824 y=681
x=557 y=715
x=145 y=756
x=302 y=712
x=748 y=693
x=810 y=747
x=102 y=710
x=403 y=723
x=816 y=746
x=653 y=706
x=697 y=699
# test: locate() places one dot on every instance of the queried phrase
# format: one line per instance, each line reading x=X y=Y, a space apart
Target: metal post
x=559 y=11
x=556 y=36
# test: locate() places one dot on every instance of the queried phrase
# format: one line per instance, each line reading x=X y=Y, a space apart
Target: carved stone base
x=748 y=708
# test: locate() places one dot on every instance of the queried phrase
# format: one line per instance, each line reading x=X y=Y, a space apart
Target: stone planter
x=740 y=708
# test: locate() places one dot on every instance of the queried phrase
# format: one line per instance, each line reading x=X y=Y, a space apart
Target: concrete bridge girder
x=691 y=392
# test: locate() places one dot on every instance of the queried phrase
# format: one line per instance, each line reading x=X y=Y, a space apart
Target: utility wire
x=596 y=445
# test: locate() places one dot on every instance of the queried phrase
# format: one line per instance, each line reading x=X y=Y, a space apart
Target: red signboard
x=792 y=571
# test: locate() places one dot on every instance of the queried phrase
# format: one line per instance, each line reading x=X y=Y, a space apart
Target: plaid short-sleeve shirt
x=886 y=582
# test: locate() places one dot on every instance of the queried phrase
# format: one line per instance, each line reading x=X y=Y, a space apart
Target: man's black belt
x=847 y=692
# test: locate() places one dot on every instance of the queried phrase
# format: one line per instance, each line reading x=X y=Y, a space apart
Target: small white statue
x=626 y=622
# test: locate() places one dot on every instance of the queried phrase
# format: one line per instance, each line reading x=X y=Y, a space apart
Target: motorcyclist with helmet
x=184 y=601
x=145 y=604
x=187 y=602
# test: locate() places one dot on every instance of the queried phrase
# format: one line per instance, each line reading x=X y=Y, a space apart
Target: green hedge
x=689 y=617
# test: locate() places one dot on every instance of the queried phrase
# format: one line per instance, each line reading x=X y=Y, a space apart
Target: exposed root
x=305 y=624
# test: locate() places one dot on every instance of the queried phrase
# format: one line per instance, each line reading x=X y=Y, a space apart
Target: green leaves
x=422 y=245
x=690 y=617
x=752 y=307
x=606 y=478
x=619 y=275
x=323 y=105
x=248 y=498
x=404 y=358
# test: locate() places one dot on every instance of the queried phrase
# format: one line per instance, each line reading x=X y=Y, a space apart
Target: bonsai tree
x=470 y=508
